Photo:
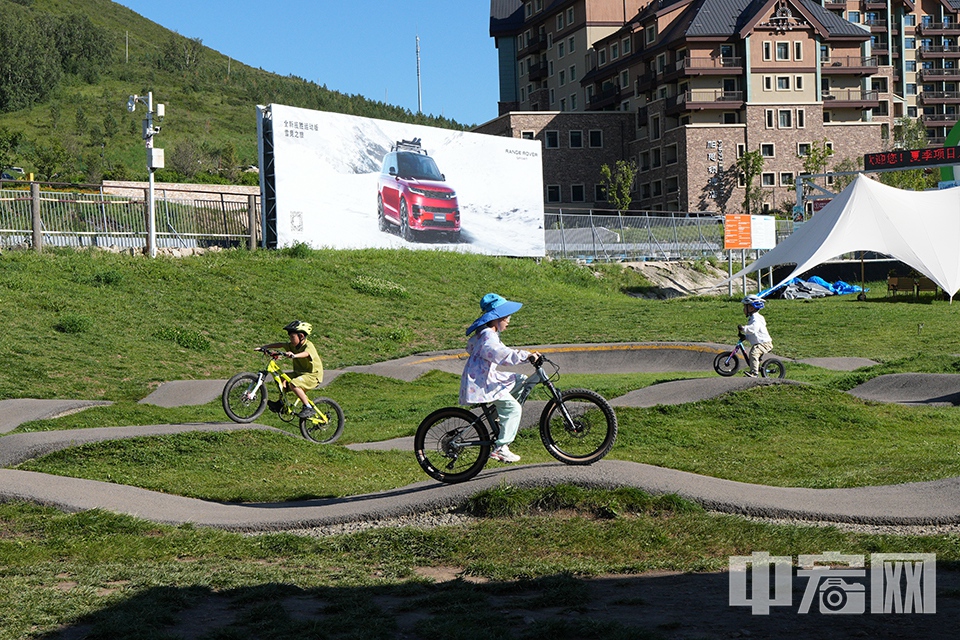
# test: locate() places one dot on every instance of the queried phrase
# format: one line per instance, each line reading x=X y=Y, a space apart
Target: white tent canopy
x=919 y=228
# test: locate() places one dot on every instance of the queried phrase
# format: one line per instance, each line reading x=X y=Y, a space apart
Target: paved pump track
x=936 y=502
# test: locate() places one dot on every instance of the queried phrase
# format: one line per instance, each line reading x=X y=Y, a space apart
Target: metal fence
x=79 y=219
x=632 y=235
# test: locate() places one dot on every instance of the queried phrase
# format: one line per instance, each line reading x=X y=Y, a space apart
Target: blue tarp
x=838 y=288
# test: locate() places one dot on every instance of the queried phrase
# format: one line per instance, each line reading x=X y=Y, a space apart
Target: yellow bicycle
x=245 y=398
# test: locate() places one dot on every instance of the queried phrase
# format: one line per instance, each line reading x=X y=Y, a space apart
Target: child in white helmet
x=756 y=333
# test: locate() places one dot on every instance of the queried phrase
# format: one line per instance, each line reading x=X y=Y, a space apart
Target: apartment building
x=704 y=81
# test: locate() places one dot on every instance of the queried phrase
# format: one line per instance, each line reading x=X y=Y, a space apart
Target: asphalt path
x=936 y=502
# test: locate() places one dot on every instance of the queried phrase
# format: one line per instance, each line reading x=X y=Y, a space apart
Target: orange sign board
x=737 y=231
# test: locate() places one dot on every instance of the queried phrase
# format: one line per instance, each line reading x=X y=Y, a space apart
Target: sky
x=365 y=47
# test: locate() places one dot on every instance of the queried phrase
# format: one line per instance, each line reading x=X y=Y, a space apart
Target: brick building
x=685 y=87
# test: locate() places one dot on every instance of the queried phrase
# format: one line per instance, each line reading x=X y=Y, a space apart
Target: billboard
x=346 y=182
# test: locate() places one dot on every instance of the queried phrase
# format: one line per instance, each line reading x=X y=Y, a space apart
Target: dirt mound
x=681 y=278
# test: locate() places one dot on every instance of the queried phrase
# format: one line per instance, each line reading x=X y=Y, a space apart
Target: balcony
x=703 y=99
x=533 y=46
x=850 y=99
x=850 y=65
x=835 y=5
x=939 y=97
x=607 y=97
x=874 y=5
x=538 y=71
x=938 y=28
x=940 y=119
x=938 y=75
x=876 y=25
x=691 y=66
x=939 y=51
x=647 y=80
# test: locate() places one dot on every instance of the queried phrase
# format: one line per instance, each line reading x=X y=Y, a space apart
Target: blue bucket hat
x=493 y=307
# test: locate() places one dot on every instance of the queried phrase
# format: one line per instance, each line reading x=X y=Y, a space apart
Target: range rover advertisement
x=345 y=182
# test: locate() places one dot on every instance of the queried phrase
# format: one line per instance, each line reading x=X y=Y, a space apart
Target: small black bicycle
x=727 y=363
x=577 y=426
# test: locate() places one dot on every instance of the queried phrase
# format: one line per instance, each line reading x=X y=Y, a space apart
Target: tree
x=181 y=54
x=749 y=166
x=10 y=144
x=815 y=162
x=618 y=183
x=50 y=159
x=910 y=134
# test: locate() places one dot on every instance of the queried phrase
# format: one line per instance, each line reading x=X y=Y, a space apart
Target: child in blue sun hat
x=481 y=382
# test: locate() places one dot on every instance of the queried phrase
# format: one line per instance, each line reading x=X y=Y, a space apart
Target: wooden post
x=35 y=215
x=252 y=221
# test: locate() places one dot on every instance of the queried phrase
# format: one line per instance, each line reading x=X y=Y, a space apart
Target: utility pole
x=154 y=161
x=419 y=91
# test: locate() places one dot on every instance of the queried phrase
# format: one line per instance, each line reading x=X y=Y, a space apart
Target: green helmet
x=298 y=326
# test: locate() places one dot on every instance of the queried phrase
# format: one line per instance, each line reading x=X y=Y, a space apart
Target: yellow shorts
x=306 y=381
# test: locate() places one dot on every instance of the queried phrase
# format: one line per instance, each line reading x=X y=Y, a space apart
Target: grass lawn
x=96 y=326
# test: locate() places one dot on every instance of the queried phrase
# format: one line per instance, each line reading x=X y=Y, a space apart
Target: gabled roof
x=506 y=16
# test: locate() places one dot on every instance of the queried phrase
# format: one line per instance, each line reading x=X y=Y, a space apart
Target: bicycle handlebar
x=273 y=353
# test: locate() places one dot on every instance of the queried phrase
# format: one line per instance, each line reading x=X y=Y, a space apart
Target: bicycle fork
x=253 y=389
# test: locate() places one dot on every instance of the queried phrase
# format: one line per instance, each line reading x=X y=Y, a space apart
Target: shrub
x=186 y=338
x=74 y=323
x=378 y=287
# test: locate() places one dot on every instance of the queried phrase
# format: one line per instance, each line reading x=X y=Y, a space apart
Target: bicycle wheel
x=238 y=402
x=592 y=433
x=327 y=425
x=452 y=444
x=726 y=364
x=772 y=368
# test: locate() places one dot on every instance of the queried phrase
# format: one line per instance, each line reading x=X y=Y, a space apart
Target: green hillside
x=67 y=68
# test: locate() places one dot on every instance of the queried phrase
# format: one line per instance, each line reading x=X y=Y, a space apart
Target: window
x=783 y=83
x=657 y=188
x=650 y=34
x=570 y=15
x=766 y=149
x=910 y=20
x=801 y=118
x=741 y=150
x=550 y=40
x=596 y=138
x=573 y=102
x=786 y=179
x=528 y=8
x=911 y=65
x=551 y=139
x=798 y=83
x=553 y=98
x=520 y=66
x=768 y=179
x=576 y=193
x=553 y=193
x=730 y=117
x=783 y=51
x=798 y=50
x=911 y=112
x=909 y=42
x=560 y=50
x=576 y=139
x=670 y=154
x=538 y=6
x=768 y=51
x=625 y=79
x=599 y=193
x=911 y=89
x=563 y=104
x=527 y=135
x=657 y=158
x=768 y=118
x=601 y=57
x=573 y=73
x=645 y=161
x=625 y=46
x=550 y=68
x=563 y=77
x=571 y=44
x=559 y=21
x=645 y=190
x=803 y=149
x=853 y=16
x=768 y=83
x=523 y=94
x=614 y=51
x=785 y=118
x=673 y=185
x=655 y=128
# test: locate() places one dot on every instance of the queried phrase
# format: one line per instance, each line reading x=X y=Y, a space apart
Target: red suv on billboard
x=413 y=194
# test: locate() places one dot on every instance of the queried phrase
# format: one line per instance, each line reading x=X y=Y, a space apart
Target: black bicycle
x=727 y=363
x=577 y=427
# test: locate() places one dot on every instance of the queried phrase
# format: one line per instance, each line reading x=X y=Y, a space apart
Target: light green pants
x=509 y=411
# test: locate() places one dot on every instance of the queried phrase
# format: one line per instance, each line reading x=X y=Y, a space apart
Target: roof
x=722 y=18
x=505 y=16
